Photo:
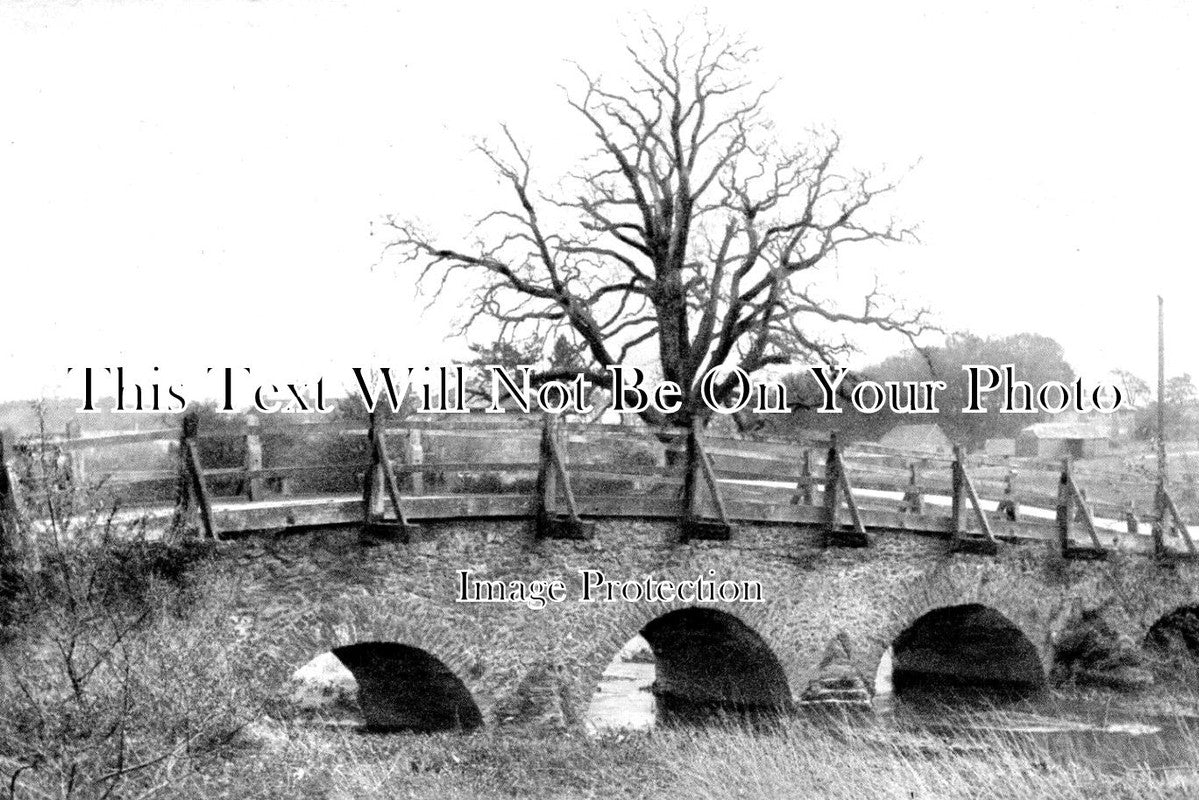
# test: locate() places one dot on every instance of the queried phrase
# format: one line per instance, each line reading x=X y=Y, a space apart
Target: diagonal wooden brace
x=381 y=477
x=1169 y=518
x=836 y=483
x=699 y=465
x=963 y=491
x=193 y=489
x=548 y=522
x=1071 y=504
x=1088 y=520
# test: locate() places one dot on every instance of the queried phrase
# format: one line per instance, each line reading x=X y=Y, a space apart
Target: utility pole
x=1159 y=524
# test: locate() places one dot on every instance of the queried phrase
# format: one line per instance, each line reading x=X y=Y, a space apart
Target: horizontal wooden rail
x=884 y=449
x=357 y=428
x=787 y=474
x=347 y=509
x=416 y=464
x=115 y=439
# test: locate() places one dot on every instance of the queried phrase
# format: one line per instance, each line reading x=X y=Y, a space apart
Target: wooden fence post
x=836 y=483
x=809 y=490
x=77 y=458
x=253 y=458
x=416 y=456
x=10 y=511
x=1063 y=509
x=193 y=488
x=380 y=482
x=963 y=492
x=693 y=524
x=1072 y=505
x=547 y=522
x=957 y=494
x=803 y=488
x=1009 y=506
x=913 y=500
x=372 y=484
x=1131 y=523
x=831 y=485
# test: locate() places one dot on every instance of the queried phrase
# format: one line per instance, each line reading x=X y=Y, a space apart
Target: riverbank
x=796 y=761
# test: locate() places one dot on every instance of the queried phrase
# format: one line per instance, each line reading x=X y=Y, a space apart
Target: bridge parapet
x=434 y=469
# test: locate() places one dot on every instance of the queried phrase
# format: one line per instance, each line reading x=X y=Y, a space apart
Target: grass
x=799 y=761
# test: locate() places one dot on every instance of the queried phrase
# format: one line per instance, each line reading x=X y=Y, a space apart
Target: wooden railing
x=561 y=473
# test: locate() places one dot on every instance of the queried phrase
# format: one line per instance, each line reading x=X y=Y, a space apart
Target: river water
x=1111 y=736
x=1112 y=733
x=623 y=700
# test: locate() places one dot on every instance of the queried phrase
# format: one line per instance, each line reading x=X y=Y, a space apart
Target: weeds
x=115 y=664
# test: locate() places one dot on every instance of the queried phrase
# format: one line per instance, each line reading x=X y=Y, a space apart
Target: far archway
x=697 y=663
x=964 y=653
x=1177 y=631
x=404 y=688
x=1173 y=644
x=623 y=699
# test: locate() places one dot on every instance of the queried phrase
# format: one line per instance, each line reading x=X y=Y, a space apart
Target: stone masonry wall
x=316 y=591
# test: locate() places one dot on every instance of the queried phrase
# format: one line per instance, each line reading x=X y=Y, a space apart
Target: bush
x=115 y=667
x=119 y=672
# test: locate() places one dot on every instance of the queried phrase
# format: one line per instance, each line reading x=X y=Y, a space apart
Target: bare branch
x=688 y=234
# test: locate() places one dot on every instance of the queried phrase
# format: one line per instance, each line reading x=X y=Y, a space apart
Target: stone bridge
x=834 y=624
x=829 y=608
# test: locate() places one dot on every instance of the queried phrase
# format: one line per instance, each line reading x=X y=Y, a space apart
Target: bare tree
x=690 y=231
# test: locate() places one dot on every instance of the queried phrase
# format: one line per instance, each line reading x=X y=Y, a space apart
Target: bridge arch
x=405 y=688
x=960 y=651
x=1172 y=644
x=1176 y=630
x=705 y=662
x=400 y=594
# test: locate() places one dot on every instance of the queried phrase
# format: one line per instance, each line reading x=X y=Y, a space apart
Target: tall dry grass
x=799 y=761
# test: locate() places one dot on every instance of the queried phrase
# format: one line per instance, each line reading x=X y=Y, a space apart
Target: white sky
x=202 y=184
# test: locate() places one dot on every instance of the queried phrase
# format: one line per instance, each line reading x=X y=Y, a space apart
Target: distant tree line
x=1180 y=406
x=1037 y=359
